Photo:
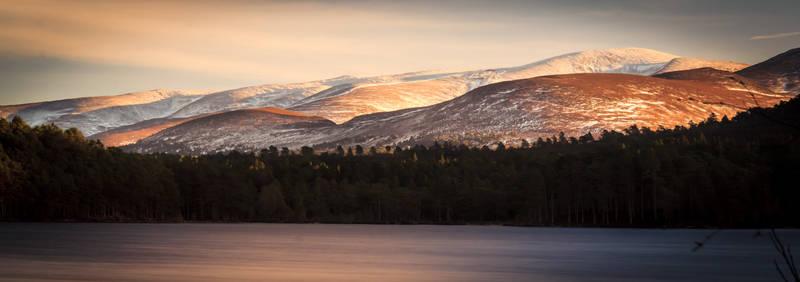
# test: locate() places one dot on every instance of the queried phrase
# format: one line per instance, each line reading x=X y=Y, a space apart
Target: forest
x=720 y=172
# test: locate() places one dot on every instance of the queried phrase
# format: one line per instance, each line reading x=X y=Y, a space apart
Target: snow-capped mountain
x=359 y=99
x=271 y=95
x=679 y=64
x=623 y=60
x=408 y=108
x=338 y=99
x=507 y=111
x=348 y=101
x=46 y=112
x=108 y=118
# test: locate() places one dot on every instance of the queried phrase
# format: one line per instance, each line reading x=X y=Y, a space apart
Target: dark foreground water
x=315 y=252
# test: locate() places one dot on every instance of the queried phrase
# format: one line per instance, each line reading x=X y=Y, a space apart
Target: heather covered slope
x=545 y=106
x=130 y=134
x=725 y=79
x=234 y=130
x=405 y=108
x=372 y=98
x=781 y=73
x=424 y=90
x=507 y=111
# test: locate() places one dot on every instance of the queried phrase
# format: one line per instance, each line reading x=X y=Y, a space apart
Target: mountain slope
x=728 y=80
x=339 y=99
x=347 y=102
x=506 y=111
x=129 y=134
x=231 y=130
x=781 y=73
x=104 y=119
x=370 y=98
x=622 y=60
x=680 y=64
x=45 y=112
x=270 y=95
x=545 y=106
x=7 y=111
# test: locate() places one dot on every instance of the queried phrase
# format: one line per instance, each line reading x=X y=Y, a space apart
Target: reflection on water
x=316 y=252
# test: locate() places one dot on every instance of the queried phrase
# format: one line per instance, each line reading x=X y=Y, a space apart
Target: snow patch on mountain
x=389 y=93
x=47 y=112
x=100 y=120
x=639 y=61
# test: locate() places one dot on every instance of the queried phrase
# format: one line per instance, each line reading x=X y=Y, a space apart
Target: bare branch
x=700 y=244
x=786 y=254
x=778 y=268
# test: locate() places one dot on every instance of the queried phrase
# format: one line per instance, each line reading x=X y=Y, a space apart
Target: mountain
x=726 y=79
x=781 y=73
x=129 y=134
x=270 y=95
x=360 y=99
x=425 y=106
x=339 y=107
x=544 y=106
x=231 y=130
x=46 y=112
x=679 y=64
x=349 y=101
x=103 y=119
x=338 y=99
x=507 y=111
x=183 y=107
x=622 y=60
x=538 y=107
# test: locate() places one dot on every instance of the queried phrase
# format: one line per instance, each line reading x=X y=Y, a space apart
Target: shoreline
x=686 y=227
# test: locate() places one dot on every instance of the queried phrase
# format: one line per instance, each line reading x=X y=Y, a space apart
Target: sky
x=64 y=49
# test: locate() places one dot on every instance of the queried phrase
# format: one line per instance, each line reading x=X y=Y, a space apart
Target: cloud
x=773 y=36
x=278 y=41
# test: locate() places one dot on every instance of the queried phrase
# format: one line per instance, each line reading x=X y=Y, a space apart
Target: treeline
x=739 y=172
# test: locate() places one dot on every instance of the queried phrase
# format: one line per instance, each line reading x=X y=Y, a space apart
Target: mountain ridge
x=352 y=101
x=683 y=63
x=781 y=72
x=287 y=95
x=507 y=111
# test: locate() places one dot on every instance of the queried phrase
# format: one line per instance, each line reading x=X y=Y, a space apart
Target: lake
x=323 y=252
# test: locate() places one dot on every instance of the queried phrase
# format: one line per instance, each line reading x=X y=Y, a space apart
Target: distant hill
x=781 y=73
x=575 y=93
x=338 y=99
x=507 y=111
x=229 y=130
x=680 y=64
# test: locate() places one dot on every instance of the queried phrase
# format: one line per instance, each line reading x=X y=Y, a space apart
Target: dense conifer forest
x=739 y=172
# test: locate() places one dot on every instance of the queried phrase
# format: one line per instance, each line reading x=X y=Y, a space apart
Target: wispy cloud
x=777 y=35
x=275 y=41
